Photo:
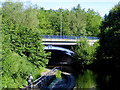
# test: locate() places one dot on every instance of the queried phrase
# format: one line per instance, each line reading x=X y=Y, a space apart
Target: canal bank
x=67 y=81
x=84 y=79
x=49 y=80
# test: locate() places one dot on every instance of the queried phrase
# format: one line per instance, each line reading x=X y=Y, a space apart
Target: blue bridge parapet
x=67 y=37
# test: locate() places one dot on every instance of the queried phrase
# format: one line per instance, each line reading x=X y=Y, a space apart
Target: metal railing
x=67 y=37
x=41 y=79
x=36 y=82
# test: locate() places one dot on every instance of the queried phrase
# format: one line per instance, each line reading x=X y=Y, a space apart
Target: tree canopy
x=22 y=49
x=110 y=35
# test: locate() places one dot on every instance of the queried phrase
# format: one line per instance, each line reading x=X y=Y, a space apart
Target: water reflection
x=86 y=79
x=95 y=79
x=99 y=80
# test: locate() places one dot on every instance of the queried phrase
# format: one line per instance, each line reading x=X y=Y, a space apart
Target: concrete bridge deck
x=65 y=40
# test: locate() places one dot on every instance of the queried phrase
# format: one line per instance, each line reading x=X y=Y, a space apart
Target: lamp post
x=61 y=22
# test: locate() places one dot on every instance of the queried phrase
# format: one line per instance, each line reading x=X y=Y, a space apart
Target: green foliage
x=22 y=49
x=15 y=70
x=44 y=22
x=30 y=19
x=13 y=11
x=30 y=44
x=55 y=22
x=93 y=23
x=38 y=72
x=18 y=15
x=110 y=35
x=86 y=80
x=84 y=53
x=0 y=47
x=24 y=41
x=76 y=22
x=58 y=75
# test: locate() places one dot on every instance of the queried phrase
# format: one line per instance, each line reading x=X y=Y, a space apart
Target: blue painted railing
x=67 y=37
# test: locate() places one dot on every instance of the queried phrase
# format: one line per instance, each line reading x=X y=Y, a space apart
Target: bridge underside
x=59 y=58
x=64 y=46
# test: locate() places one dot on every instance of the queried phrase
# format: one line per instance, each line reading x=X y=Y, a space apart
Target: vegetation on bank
x=22 y=49
x=106 y=52
x=0 y=49
x=109 y=51
x=58 y=75
x=85 y=54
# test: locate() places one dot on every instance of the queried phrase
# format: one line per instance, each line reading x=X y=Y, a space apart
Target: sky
x=101 y=6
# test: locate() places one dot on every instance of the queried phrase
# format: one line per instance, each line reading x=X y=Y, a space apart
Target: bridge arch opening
x=59 y=55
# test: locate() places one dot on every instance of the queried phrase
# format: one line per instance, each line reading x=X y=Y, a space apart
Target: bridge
x=65 y=40
x=60 y=47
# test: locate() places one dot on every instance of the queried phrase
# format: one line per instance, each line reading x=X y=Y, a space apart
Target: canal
x=104 y=78
x=86 y=79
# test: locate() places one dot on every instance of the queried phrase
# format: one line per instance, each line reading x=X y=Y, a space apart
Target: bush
x=84 y=53
x=15 y=70
x=58 y=75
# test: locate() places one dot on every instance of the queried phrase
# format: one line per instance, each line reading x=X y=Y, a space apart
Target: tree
x=0 y=46
x=55 y=22
x=19 y=15
x=110 y=35
x=23 y=39
x=77 y=21
x=44 y=22
x=13 y=11
x=65 y=25
x=93 y=23
x=30 y=18
x=15 y=70
x=84 y=53
x=22 y=49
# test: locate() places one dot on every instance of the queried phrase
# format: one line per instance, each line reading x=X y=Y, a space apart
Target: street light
x=61 y=22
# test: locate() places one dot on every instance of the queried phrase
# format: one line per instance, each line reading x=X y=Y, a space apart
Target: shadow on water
x=85 y=79
x=101 y=80
x=97 y=80
x=108 y=80
x=93 y=79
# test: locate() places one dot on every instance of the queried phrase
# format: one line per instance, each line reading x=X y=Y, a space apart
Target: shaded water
x=96 y=80
x=86 y=80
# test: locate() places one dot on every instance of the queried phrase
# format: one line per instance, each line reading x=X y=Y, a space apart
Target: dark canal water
x=94 y=80
x=91 y=79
